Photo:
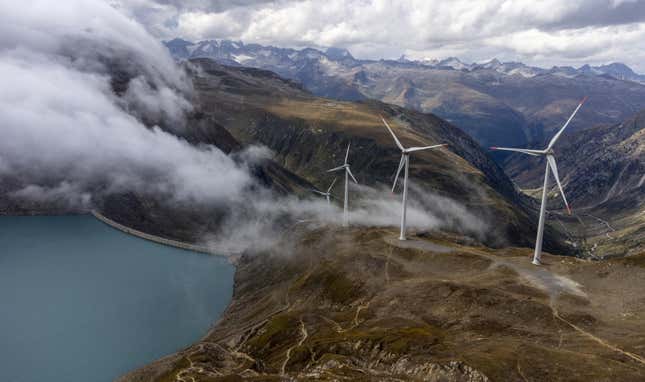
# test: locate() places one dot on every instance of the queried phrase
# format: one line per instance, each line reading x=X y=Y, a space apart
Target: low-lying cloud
x=261 y=224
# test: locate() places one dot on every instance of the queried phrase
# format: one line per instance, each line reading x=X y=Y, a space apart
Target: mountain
x=309 y=134
x=603 y=173
x=496 y=103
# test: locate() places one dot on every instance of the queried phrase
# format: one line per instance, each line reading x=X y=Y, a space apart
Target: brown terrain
x=361 y=305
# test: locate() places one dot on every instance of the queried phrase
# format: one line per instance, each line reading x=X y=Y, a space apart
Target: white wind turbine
x=348 y=173
x=405 y=162
x=327 y=194
x=550 y=164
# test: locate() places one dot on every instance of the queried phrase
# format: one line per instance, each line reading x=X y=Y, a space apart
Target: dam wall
x=162 y=240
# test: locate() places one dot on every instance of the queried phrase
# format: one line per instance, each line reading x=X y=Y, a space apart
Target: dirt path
x=303 y=338
x=183 y=375
x=599 y=340
x=603 y=222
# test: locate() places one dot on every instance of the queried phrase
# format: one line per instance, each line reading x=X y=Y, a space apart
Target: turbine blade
x=398 y=171
x=557 y=135
x=336 y=168
x=554 y=170
x=413 y=149
x=347 y=153
x=523 y=151
x=318 y=192
x=393 y=136
x=352 y=175
x=331 y=186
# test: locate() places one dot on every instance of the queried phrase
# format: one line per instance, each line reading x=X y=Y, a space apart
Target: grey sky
x=544 y=33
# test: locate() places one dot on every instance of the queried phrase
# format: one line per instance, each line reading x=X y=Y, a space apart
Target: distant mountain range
x=497 y=103
x=616 y=70
x=237 y=53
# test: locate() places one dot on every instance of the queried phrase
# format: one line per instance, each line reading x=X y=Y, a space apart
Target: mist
x=264 y=221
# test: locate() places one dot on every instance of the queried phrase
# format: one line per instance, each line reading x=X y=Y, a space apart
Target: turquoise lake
x=83 y=302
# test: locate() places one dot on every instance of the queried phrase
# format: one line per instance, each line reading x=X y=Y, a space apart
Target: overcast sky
x=544 y=33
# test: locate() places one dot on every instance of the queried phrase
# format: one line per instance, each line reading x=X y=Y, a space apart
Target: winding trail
x=599 y=340
x=182 y=375
x=603 y=222
x=303 y=338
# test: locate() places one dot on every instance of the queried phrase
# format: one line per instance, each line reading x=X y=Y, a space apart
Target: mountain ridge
x=181 y=48
x=501 y=104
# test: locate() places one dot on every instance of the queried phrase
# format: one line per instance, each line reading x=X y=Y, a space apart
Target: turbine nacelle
x=405 y=152
x=348 y=173
x=549 y=153
x=404 y=164
x=327 y=194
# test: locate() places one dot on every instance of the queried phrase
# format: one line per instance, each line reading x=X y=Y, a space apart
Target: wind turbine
x=405 y=162
x=550 y=164
x=327 y=194
x=348 y=173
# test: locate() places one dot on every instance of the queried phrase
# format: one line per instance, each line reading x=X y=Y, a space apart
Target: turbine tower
x=405 y=162
x=550 y=165
x=327 y=194
x=348 y=173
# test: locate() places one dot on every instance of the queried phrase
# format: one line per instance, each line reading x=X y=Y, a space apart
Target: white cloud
x=66 y=132
x=388 y=28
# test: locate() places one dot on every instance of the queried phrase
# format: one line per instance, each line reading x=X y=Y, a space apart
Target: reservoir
x=83 y=302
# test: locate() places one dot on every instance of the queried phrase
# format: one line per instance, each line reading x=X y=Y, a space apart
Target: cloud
x=67 y=131
x=385 y=29
x=260 y=225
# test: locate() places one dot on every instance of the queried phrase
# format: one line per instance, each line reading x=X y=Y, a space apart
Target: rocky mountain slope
x=308 y=135
x=360 y=305
x=496 y=103
x=603 y=173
